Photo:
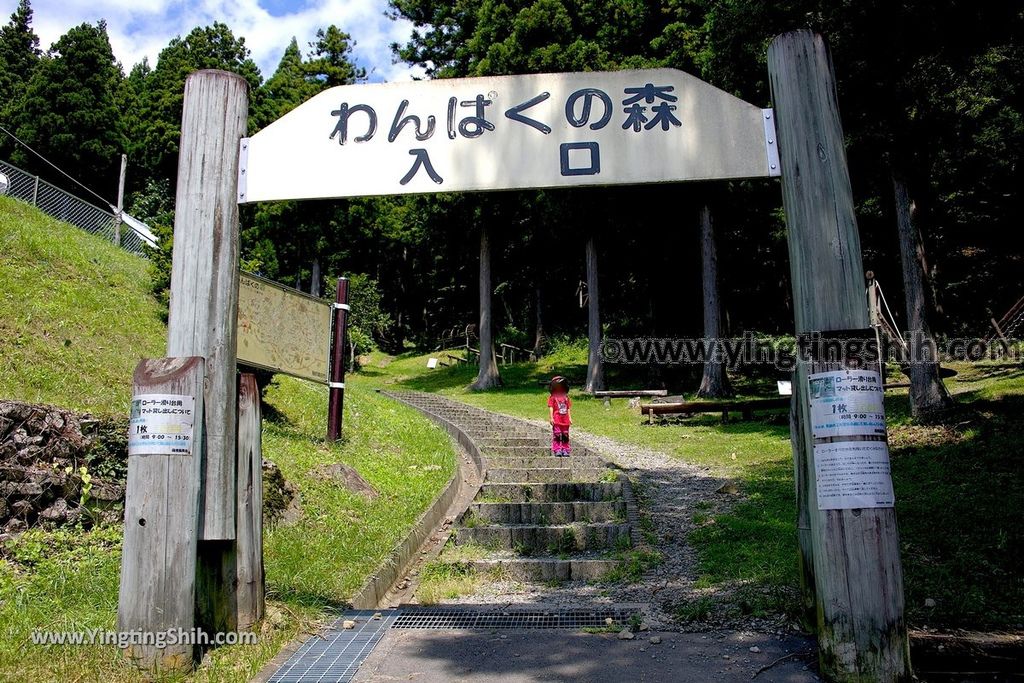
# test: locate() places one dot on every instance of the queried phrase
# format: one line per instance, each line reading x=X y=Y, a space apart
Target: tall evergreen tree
x=19 y=54
x=297 y=242
x=331 y=61
x=69 y=111
x=206 y=47
x=288 y=87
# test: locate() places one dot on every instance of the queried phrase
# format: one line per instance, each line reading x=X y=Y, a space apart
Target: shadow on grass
x=753 y=544
x=960 y=501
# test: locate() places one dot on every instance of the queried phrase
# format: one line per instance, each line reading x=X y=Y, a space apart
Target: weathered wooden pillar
x=856 y=562
x=161 y=512
x=802 y=473
x=204 y=310
x=249 y=591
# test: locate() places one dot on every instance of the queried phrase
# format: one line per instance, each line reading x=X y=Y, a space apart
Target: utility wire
x=55 y=167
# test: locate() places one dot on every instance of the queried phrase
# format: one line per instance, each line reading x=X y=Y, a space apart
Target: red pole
x=337 y=381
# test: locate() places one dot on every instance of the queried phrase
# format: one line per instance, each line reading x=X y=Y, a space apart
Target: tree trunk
x=928 y=395
x=314 y=283
x=595 y=366
x=538 y=338
x=715 y=382
x=488 y=377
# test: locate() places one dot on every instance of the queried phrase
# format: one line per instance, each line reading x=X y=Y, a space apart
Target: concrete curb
x=370 y=595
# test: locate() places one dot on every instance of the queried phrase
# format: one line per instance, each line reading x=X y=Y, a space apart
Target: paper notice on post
x=853 y=474
x=851 y=454
x=161 y=424
x=846 y=403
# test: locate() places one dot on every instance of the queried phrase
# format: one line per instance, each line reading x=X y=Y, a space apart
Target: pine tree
x=69 y=111
x=208 y=47
x=290 y=86
x=331 y=61
x=19 y=54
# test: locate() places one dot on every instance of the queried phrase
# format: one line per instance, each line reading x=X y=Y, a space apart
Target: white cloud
x=141 y=28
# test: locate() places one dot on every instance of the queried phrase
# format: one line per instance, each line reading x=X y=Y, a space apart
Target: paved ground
x=521 y=656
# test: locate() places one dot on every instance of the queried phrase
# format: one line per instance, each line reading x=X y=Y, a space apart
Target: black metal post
x=337 y=379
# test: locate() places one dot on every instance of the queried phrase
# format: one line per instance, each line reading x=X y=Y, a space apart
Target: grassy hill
x=75 y=314
x=75 y=317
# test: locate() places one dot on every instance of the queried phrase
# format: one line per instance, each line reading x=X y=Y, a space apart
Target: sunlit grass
x=75 y=314
x=75 y=317
x=959 y=486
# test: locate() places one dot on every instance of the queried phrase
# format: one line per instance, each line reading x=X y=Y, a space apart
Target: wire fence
x=66 y=207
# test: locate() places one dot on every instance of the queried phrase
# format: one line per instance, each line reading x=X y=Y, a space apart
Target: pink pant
x=560 y=440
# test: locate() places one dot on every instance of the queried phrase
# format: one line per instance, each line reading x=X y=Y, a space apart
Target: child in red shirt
x=559 y=405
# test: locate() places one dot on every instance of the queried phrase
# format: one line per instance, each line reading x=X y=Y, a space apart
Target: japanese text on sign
x=847 y=403
x=545 y=130
x=851 y=454
x=161 y=424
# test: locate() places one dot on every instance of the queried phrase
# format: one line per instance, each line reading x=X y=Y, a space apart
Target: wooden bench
x=745 y=407
x=630 y=393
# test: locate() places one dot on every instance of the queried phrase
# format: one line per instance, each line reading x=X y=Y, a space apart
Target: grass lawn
x=75 y=317
x=75 y=314
x=959 y=487
x=68 y=580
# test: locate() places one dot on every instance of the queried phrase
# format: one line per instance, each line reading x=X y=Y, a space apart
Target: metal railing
x=66 y=207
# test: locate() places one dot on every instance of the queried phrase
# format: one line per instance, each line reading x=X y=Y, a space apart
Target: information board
x=282 y=329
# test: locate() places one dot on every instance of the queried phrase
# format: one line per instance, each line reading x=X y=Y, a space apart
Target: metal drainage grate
x=451 y=619
x=336 y=655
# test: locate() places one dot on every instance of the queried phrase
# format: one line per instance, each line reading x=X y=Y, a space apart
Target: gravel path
x=670 y=492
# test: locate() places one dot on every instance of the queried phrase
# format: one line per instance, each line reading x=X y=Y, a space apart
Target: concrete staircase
x=537 y=518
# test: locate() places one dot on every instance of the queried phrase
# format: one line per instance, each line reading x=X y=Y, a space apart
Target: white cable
x=57 y=168
x=892 y=318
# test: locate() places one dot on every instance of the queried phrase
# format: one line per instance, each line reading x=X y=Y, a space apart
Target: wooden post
x=803 y=472
x=857 y=573
x=161 y=512
x=249 y=592
x=120 y=200
x=874 y=318
x=336 y=391
x=203 y=315
x=204 y=274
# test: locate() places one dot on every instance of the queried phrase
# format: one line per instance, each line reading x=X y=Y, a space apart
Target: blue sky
x=141 y=28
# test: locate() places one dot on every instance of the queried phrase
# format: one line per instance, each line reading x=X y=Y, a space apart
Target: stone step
x=479 y=436
x=547 y=513
x=546 y=461
x=545 y=475
x=542 y=569
x=529 y=539
x=528 y=451
x=498 y=442
x=559 y=492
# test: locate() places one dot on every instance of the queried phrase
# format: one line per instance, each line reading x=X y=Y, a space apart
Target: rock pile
x=50 y=459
